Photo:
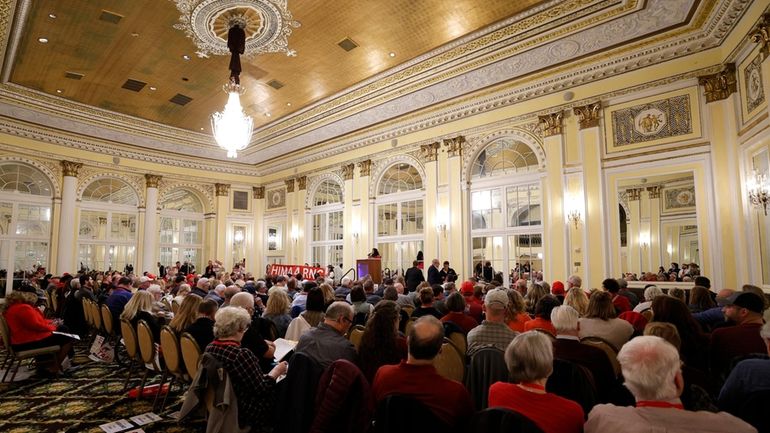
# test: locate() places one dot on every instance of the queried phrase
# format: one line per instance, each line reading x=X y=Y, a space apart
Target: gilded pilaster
x=455 y=145
x=551 y=124
x=721 y=85
x=588 y=115
x=222 y=189
x=365 y=168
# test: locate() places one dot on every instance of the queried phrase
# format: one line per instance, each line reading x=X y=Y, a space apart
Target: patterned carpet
x=80 y=401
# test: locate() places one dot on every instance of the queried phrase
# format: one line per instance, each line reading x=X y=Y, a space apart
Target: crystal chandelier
x=232 y=127
x=759 y=194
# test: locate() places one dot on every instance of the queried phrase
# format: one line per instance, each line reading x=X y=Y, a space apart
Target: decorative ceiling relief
x=267 y=23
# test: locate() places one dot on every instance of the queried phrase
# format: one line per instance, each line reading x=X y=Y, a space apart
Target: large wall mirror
x=658 y=227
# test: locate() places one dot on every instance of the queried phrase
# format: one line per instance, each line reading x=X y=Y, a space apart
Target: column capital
x=654 y=191
x=289 y=185
x=634 y=194
x=258 y=192
x=761 y=35
x=302 y=182
x=551 y=124
x=455 y=145
x=365 y=168
x=152 y=180
x=70 y=168
x=588 y=114
x=347 y=171
x=222 y=189
x=721 y=85
x=429 y=152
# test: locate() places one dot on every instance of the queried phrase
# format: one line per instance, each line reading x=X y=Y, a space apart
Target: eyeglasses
x=347 y=320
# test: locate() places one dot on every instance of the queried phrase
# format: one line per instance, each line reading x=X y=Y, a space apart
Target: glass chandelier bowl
x=232 y=127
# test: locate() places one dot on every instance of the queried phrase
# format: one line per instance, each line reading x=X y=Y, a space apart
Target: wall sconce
x=758 y=187
x=355 y=235
x=574 y=217
x=441 y=229
x=294 y=234
x=574 y=207
x=644 y=240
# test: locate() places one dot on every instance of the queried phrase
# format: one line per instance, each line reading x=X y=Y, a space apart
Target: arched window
x=25 y=222
x=108 y=224
x=181 y=228
x=327 y=219
x=506 y=212
x=400 y=216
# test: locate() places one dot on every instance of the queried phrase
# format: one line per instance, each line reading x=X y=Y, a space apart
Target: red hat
x=467 y=288
x=151 y=276
x=557 y=288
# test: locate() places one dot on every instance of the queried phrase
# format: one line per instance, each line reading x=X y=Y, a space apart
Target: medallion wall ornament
x=429 y=152
x=365 y=168
x=347 y=171
x=289 y=185
x=455 y=145
x=761 y=35
x=70 y=168
x=302 y=182
x=721 y=85
x=222 y=189
x=634 y=194
x=152 y=180
x=588 y=114
x=258 y=192
x=551 y=124
x=654 y=191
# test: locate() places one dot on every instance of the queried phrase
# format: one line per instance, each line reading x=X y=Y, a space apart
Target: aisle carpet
x=80 y=401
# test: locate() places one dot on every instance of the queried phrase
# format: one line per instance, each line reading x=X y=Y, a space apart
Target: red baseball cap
x=557 y=288
x=467 y=288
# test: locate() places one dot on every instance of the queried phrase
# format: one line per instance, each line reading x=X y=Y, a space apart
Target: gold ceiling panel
x=144 y=46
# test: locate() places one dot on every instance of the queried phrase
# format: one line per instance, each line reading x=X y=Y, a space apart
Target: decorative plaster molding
x=258 y=192
x=302 y=182
x=52 y=172
x=455 y=145
x=588 y=114
x=721 y=85
x=289 y=185
x=365 y=167
x=133 y=181
x=316 y=181
x=203 y=192
x=761 y=35
x=347 y=171
x=70 y=168
x=152 y=180
x=520 y=134
x=429 y=152
x=654 y=192
x=551 y=124
x=383 y=165
x=634 y=194
x=222 y=189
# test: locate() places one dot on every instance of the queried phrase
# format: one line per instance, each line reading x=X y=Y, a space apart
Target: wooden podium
x=372 y=267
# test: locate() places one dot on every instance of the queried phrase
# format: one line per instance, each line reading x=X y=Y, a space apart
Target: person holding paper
x=30 y=330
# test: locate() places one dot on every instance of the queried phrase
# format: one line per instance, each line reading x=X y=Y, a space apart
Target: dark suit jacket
x=202 y=330
x=433 y=276
x=592 y=358
x=413 y=278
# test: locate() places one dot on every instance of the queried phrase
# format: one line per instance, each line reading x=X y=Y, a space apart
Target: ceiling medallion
x=267 y=23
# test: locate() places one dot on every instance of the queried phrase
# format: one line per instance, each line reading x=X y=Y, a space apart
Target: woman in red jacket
x=30 y=330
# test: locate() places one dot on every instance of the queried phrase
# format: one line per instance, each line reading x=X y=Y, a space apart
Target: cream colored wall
x=580 y=173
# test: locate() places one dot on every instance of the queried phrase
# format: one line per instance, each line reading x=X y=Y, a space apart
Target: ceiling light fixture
x=153 y=88
x=59 y=90
x=52 y=16
x=232 y=127
x=186 y=57
x=392 y=54
x=42 y=40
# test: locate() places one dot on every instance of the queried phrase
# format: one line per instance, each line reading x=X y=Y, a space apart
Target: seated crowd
x=568 y=359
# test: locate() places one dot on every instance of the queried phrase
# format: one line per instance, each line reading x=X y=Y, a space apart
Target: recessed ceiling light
x=42 y=40
x=267 y=114
x=185 y=79
x=186 y=57
x=392 y=54
x=134 y=34
x=288 y=104
x=153 y=88
x=59 y=90
x=52 y=16
x=201 y=129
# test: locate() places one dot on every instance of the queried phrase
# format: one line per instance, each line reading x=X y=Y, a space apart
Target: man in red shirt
x=417 y=377
x=744 y=309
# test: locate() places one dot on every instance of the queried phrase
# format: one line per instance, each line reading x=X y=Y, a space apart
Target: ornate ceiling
x=451 y=59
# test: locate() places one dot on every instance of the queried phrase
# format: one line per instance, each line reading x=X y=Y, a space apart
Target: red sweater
x=553 y=414
x=540 y=323
x=27 y=324
x=461 y=319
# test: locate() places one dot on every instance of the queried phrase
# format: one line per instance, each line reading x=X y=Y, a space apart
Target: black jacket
x=413 y=278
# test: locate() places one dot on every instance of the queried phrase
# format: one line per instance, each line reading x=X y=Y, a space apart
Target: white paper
x=282 y=347
x=117 y=426
x=75 y=336
x=145 y=418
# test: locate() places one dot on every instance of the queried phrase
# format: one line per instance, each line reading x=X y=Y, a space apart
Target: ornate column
x=589 y=138
x=222 y=191
x=291 y=227
x=725 y=157
x=556 y=257
x=150 y=235
x=429 y=156
x=258 y=208
x=458 y=227
x=68 y=227
x=301 y=221
x=352 y=225
x=365 y=210
x=636 y=249
x=656 y=237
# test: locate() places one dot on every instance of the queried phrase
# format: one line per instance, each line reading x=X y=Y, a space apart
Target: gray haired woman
x=255 y=391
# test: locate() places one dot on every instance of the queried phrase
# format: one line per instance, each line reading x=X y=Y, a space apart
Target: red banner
x=308 y=272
